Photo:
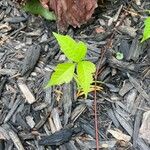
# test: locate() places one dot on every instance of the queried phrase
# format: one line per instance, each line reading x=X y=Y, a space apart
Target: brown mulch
x=35 y=118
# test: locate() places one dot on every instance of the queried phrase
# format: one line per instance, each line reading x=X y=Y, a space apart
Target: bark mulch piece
x=32 y=117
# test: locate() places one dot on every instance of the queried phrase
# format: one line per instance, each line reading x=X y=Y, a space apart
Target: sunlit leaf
x=63 y=74
x=85 y=70
x=73 y=50
x=146 y=32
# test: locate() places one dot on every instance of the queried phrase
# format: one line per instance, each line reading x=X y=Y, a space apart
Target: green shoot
x=77 y=68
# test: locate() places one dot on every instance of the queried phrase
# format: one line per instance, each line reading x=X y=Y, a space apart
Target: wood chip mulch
x=35 y=118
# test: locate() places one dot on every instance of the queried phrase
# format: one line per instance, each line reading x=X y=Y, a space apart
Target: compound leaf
x=73 y=50
x=63 y=74
x=146 y=32
x=85 y=70
x=35 y=7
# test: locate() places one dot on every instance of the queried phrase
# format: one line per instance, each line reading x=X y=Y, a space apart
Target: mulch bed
x=35 y=118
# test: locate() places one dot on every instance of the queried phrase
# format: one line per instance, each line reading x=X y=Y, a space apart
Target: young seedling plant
x=76 y=67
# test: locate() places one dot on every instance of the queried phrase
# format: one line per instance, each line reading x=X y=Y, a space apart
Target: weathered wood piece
x=59 y=137
x=26 y=92
x=67 y=101
x=3 y=81
x=16 y=140
x=30 y=60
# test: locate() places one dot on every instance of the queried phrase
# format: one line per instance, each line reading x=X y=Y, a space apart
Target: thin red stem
x=96 y=121
x=108 y=45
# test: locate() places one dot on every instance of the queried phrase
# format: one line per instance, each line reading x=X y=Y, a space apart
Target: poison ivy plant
x=76 y=67
x=35 y=7
x=146 y=33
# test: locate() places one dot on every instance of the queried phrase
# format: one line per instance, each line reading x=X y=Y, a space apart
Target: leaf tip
x=55 y=34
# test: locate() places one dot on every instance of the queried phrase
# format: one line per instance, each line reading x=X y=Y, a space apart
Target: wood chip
x=130 y=99
x=16 y=140
x=56 y=119
x=26 y=92
x=9 y=72
x=77 y=111
x=126 y=87
x=128 y=30
x=12 y=110
x=4 y=134
x=31 y=58
x=67 y=101
x=145 y=127
x=119 y=135
x=30 y=121
x=138 y=87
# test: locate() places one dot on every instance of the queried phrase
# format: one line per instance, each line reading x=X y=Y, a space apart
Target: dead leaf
x=71 y=12
x=145 y=127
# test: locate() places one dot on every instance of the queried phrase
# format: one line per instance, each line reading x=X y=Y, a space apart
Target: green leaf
x=35 y=7
x=73 y=50
x=63 y=74
x=85 y=70
x=119 y=56
x=146 y=33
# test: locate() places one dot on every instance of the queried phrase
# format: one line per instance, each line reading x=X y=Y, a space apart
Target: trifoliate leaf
x=63 y=74
x=73 y=50
x=85 y=70
x=146 y=32
x=35 y=7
